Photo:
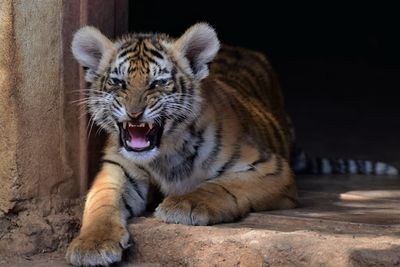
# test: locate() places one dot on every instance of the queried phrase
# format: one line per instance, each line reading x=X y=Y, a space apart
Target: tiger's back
x=254 y=94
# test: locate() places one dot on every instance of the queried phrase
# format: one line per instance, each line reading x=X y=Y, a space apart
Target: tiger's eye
x=158 y=83
x=151 y=100
x=115 y=82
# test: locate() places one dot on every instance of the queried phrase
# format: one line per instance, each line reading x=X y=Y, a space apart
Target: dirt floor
x=342 y=221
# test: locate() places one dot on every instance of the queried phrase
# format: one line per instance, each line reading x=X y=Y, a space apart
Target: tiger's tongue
x=138 y=137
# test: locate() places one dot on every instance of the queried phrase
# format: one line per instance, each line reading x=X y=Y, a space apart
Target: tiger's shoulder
x=250 y=73
x=243 y=89
x=229 y=57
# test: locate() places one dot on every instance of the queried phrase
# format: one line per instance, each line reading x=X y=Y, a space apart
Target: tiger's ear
x=199 y=45
x=88 y=47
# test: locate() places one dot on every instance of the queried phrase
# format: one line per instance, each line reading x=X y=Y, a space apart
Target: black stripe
x=125 y=46
x=186 y=155
x=154 y=109
x=200 y=141
x=144 y=47
x=237 y=107
x=228 y=192
x=232 y=160
x=127 y=207
x=180 y=119
x=374 y=166
x=130 y=178
x=216 y=149
x=173 y=73
x=148 y=58
x=371 y=170
x=182 y=84
x=143 y=169
x=115 y=105
x=386 y=169
x=259 y=79
x=174 y=89
x=116 y=100
x=313 y=165
x=263 y=158
x=175 y=123
x=342 y=166
x=345 y=166
x=127 y=59
x=279 y=167
x=294 y=200
x=318 y=160
x=275 y=129
x=242 y=113
x=278 y=134
x=331 y=165
x=156 y=54
x=360 y=166
x=124 y=53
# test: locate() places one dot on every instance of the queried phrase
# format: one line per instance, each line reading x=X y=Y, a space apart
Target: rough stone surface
x=38 y=226
x=43 y=136
x=342 y=221
x=159 y=244
x=318 y=244
x=38 y=178
x=8 y=127
x=33 y=159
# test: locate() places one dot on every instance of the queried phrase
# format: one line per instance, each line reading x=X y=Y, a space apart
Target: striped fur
x=226 y=140
x=305 y=164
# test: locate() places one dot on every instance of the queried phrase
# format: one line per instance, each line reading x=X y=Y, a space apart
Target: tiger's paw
x=186 y=210
x=98 y=247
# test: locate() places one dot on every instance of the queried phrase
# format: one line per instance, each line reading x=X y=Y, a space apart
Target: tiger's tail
x=305 y=164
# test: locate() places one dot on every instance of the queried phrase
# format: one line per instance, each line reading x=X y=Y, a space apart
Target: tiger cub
x=213 y=137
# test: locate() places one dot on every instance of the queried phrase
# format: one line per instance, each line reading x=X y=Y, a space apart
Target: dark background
x=339 y=64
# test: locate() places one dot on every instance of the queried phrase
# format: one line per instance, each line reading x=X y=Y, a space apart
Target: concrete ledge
x=262 y=239
x=342 y=221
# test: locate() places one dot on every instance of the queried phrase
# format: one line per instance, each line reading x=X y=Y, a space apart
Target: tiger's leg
x=113 y=196
x=269 y=185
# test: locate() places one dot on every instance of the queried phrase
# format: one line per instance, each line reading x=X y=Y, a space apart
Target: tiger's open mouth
x=140 y=136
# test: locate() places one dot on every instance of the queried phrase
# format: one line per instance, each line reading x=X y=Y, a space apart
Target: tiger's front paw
x=186 y=210
x=101 y=246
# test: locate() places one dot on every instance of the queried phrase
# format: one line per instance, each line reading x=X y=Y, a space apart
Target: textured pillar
x=43 y=136
x=35 y=132
x=8 y=124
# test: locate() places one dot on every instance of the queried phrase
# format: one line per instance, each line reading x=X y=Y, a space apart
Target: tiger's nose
x=136 y=115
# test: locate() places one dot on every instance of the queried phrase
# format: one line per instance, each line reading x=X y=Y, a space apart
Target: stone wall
x=43 y=138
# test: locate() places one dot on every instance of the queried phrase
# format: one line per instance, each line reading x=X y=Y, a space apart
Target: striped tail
x=304 y=164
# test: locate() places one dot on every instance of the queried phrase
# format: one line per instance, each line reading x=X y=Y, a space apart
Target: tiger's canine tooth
x=124 y=124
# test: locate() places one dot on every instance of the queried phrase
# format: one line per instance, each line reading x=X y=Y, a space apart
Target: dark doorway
x=338 y=64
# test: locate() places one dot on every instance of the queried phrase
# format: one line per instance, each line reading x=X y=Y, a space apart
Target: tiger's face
x=144 y=87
